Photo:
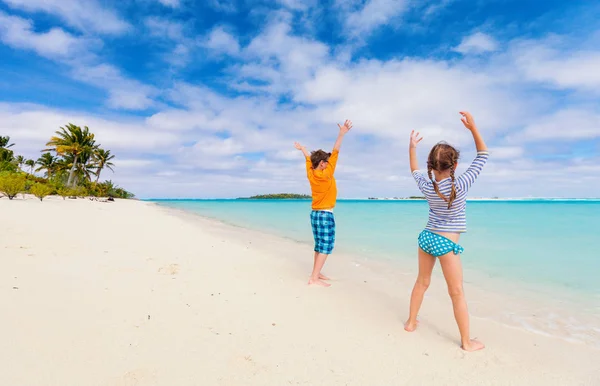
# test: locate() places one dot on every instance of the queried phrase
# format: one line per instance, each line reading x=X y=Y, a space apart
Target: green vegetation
x=71 y=165
x=41 y=190
x=279 y=196
x=12 y=184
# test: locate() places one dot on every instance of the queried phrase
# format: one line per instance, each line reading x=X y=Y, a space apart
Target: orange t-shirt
x=322 y=183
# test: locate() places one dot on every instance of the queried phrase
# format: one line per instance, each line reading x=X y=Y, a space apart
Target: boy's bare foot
x=410 y=327
x=323 y=277
x=318 y=282
x=473 y=345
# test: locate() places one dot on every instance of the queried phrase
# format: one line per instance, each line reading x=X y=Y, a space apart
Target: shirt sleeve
x=420 y=179
x=332 y=163
x=468 y=177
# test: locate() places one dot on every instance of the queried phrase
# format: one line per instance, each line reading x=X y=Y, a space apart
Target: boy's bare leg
x=426 y=264
x=452 y=269
x=321 y=276
x=315 y=277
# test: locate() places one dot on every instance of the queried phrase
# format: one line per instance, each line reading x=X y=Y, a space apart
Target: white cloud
x=77 y=53
x=298 y=5
x=214 y=144
x=124 y=93
x=169 y=32
x=558 y=64
x=280 y=59
x=477 y=43
x=31 y=126
x=506 y=152
x=170 y=3
x=135 y=163
x=164 y=28
x=222 y=42
x=226 y=6
x=386 y=99
x=55 y=43
x=373 y=14
x=81 y=14
x=180 y=56
x=567 y=124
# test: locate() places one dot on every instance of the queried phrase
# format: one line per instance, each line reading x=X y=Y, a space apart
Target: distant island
x=278 y=196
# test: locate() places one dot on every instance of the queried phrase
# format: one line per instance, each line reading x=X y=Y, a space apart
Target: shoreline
x=533 y=301
x=474 y=199
x=146 y=295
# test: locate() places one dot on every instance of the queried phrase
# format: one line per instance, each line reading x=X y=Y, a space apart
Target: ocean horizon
x=378 y=199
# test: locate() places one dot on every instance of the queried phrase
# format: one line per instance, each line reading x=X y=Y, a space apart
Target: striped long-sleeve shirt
x=442 y=219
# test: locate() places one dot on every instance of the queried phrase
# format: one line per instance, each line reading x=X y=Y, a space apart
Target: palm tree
x=7 y=160
x=85 y=167
x=31 y=164
x=72 y=141
x=20 y=160
x=4 y=142
x=103 y=158
x=47 y=162
x=107 y=188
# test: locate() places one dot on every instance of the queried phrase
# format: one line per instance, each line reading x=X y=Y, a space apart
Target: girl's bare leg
x=426 y=264
x=452 y=268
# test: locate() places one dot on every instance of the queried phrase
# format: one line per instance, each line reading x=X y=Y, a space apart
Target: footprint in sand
x=137 y=377
x=171 y=269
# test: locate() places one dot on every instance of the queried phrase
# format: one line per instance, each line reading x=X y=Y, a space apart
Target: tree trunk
x=72 y=172
x=98 y=176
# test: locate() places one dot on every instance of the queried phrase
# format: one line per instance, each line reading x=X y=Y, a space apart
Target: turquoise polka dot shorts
x=437 y=245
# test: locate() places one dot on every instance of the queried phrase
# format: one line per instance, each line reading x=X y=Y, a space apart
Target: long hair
x=443 y=157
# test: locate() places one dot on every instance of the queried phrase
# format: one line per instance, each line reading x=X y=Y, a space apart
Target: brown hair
x=443 y=157
x=317 y=156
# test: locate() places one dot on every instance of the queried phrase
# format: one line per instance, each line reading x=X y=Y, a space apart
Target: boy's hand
x=298 y=146
x=414 y=139
x=346 y=128
x=467 y=120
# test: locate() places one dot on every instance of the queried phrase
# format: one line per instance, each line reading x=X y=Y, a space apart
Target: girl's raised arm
x=412 y=150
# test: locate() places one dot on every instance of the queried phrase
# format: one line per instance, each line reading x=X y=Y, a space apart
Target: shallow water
x=541 y=253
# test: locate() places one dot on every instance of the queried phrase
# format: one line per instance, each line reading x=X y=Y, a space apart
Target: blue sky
x=205 y=99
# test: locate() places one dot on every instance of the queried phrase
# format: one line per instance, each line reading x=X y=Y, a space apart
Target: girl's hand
x=467 y=120
x=346 y=128
x=298 y=146
x=414 y=139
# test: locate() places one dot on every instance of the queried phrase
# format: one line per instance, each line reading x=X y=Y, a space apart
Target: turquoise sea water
x=548 y=247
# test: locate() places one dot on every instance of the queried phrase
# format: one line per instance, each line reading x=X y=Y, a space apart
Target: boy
x=320 y=167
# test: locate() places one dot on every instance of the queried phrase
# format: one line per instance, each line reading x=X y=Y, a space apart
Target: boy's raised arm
x=343 y=131
x=298 y=146
x=306 y=156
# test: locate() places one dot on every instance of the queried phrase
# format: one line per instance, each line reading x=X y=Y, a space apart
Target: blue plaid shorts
x=437 y=245
x=323 y=226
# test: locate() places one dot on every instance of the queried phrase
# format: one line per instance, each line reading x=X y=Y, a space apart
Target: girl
x=446 y=196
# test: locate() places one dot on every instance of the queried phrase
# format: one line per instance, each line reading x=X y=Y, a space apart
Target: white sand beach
x=130 y=293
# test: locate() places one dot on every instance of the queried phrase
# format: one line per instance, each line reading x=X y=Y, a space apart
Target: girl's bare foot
x=323 y=277
x=473 y=345
x=410 y=326
x=318 y=282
